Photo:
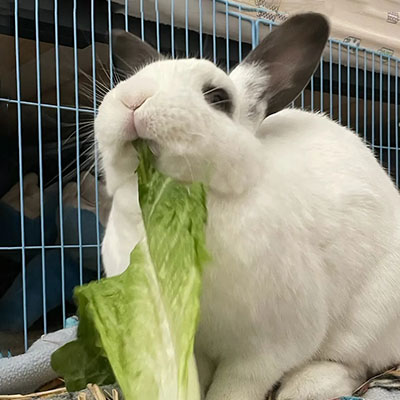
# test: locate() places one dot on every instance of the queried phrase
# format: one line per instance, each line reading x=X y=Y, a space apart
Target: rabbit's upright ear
x=278 y=69
x=130 y=52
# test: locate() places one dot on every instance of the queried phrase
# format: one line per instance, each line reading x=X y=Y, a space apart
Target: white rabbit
x=303 y=223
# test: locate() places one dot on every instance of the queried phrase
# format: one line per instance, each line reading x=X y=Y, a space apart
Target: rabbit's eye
x=218 y=98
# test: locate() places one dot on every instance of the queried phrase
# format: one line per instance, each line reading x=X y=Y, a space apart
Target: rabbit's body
x=303 y=223
x=314 y=272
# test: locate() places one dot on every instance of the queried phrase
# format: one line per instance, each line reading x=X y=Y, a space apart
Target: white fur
x=303 y=228
x=250 y=83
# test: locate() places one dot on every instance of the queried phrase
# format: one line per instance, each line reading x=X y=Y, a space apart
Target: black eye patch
x=218 y=98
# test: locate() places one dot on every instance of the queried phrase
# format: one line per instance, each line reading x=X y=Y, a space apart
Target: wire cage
x=57 y=64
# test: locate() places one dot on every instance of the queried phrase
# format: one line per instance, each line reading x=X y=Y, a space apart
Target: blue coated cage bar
x=96 y=157
x=40 y=149
x=396 y=120
x=388 y=119
x=187 y=28
x=142 y=19
x=201 y=28
x=157 y=24
x=373 y=102
x=350 y=85
x=330 y=81
x=227 y=36
x=78 y=165
x=21 y=177
x=60 y=169
x=172 y=29
x=357 y=83
x=380 y=108
x=365 y=96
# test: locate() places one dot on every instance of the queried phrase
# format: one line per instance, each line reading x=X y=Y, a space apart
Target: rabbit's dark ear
x=130 y=52
x=279 y=68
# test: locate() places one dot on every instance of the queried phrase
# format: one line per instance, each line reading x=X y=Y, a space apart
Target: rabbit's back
x=325 y=171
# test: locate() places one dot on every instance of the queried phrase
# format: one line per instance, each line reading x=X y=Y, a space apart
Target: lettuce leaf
x=139 y=327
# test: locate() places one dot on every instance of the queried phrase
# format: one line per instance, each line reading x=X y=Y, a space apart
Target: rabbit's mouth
x=154 y=147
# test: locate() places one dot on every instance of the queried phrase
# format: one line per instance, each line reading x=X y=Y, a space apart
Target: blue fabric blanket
x=385 y=386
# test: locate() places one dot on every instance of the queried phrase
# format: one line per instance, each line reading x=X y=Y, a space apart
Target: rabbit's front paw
x=241 y=380
x=322 y=380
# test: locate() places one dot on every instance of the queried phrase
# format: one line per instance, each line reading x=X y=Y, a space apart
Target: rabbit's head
x=199 y=121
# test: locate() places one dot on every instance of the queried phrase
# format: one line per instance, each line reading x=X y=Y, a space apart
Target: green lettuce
x=138 y=328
